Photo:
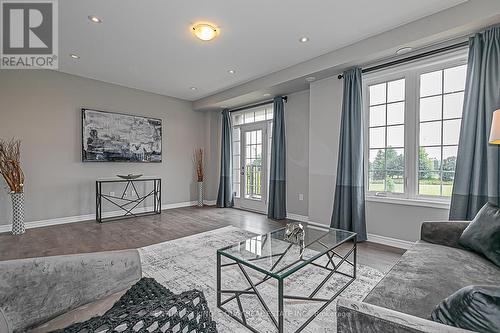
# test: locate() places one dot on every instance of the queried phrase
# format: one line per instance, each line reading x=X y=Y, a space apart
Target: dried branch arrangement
x=10 y=164
x=198 y=163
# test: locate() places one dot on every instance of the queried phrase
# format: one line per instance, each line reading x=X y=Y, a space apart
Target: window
x=413 y=118
x=252 y=116
x=387 y=137
x=251 y=154
x=440 y=115
x=253 y=164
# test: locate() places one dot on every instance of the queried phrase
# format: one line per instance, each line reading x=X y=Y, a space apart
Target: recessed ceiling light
x=95 y=19
x=266 y=95
x=205 y=31
x=304 y=39
x=193 y=88
x=404 y=50
x=310 y=78
x=231 y=71
x=74 y=56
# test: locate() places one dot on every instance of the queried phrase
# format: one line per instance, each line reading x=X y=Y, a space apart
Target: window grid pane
x=387 y=137
x=237 y=157
x=438 y=142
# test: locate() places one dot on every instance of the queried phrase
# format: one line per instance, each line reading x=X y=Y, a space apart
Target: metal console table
x=128 y=203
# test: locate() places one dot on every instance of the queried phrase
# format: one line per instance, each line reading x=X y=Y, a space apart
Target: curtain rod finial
x=340 y=76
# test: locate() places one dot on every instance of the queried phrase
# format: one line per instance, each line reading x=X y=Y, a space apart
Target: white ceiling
x=148 y=45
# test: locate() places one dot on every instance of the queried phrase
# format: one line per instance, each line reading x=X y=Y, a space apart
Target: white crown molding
x=89 y=217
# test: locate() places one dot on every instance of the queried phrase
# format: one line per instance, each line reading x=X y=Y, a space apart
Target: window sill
x=410 y=202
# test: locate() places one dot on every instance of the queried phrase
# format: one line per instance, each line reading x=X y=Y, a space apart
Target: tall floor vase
x=200 y=194
x=18 y=227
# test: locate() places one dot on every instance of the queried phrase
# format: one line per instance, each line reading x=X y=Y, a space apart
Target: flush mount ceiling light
x=74 y=56
x=231 y=71
x=404 y=50
x=304 y=39
x=95 y=19
x=310 y=78
x=205 y=31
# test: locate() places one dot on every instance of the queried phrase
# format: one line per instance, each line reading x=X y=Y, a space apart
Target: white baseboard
x=210 y=202
x=297 y=217
x=87 y=217
x=394 y=242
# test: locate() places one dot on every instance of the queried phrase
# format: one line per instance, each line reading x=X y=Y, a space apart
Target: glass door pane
x=253 y=164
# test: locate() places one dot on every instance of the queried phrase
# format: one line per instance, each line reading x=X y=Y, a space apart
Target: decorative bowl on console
x=130 y=176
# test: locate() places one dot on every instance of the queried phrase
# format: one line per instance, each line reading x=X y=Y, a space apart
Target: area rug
x=190 y=263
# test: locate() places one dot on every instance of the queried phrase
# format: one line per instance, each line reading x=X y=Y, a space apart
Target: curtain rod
x=285 y=98
x=414 y=57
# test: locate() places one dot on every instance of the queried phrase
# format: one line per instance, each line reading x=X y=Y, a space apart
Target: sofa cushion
x=35 y=290
x=475 y=308
x=428 y=273
x=483 y=233
x=4 y=324
x=82 y=313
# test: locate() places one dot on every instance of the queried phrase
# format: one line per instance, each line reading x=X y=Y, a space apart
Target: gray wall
x=389 y=220
x=42 y=108
x=297 y=152
x=213 y=126
x=400 y=221
x=324 y=126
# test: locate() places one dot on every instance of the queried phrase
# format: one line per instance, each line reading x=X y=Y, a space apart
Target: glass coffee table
x=274 y=257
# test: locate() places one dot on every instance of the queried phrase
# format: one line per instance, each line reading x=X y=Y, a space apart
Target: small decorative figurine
x=294 y=233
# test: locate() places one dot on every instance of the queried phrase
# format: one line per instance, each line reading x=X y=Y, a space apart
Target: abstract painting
x=116 y=137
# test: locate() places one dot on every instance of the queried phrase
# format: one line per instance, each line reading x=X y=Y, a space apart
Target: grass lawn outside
x=425 y=187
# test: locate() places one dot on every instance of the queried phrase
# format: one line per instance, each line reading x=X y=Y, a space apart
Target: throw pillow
x=475 y=308
x=483 y=233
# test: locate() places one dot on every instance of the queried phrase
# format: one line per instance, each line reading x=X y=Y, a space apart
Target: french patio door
x=254 y=167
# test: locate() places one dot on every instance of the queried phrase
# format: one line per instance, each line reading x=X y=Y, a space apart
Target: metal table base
x=278 y=320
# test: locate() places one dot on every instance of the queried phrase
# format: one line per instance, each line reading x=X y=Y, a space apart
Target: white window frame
x=411 y=73
x=241 y=126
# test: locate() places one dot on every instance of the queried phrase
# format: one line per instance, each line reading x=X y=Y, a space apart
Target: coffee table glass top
x=273 y=255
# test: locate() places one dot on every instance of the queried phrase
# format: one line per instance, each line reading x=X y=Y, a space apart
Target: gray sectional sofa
x=34 y=291
x=432 y=269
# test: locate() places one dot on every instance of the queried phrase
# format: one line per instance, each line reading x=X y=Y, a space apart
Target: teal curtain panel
x=277 y=177
x=225 y=196
x=349 y=202
x=477 y=173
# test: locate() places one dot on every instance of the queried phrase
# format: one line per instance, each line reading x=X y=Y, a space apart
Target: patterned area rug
x=190 y=263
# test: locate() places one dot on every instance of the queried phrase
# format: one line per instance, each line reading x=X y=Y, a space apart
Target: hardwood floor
x=90 y=236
